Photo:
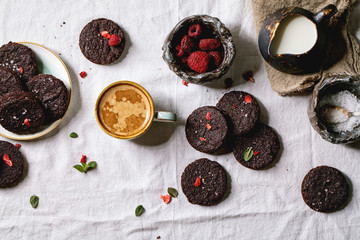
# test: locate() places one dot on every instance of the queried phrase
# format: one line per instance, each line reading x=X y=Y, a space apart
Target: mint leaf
x=173 y=192
x=92 y=164
x=248 y=154
x=79 y=168
x=34 y=201
x=139 y=210
x=73 y=135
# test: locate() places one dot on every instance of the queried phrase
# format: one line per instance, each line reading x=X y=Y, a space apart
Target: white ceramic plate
x=49 y=63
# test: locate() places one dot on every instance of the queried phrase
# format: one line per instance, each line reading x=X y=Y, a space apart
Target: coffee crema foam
x=124 y=110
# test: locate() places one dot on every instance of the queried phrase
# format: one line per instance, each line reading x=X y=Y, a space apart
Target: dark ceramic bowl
x=308 y=62
x=218 y=29
x=327 y=87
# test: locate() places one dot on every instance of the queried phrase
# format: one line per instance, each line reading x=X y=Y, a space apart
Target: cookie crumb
x=228 y=83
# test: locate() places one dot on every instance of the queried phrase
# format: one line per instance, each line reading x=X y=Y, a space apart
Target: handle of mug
x=325 y=14
x=162 y=116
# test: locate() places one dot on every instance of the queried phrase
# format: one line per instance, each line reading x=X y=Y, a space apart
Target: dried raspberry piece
x=105 y=34
x=187 y=44
x=114 y=40
x=27 y=122
x=209 y=44
x=208 y=116
x=197 y=182
x=185 y=83
x=83 y=158
x=234 y=106
x=194 y=30
x=83 y=74
x=7 y=160
x=202 y=139
x=248 y=99
x=18 y=146
x=216 y=58
x=166 y=198
x=198 y=61
x=256 y=153
x=21 y=70
x=179 y=50
x=208 y=126
x=249 y=76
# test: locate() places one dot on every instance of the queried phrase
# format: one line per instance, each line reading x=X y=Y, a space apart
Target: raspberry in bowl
x=199 y=49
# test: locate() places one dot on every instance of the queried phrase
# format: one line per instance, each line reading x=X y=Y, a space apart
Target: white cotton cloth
x=101 y=204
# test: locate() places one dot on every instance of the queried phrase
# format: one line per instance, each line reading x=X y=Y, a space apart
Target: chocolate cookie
x=94 y=41
x=243 y=110
x=20 y=59
x=21 y=113
x=204 y=182
x=11 y=164
x=206 y=129
x=325 y=189
x=260 y=145
x=52 y=93
x=9 y=82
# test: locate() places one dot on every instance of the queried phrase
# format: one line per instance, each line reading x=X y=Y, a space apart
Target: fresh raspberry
x=194 y=30
x=166 y=198
x=216 y=58
x=83 y=74
x=187 y=44
x=180 y=51
x=198 y=61
x=209 y=44
x=114 y=40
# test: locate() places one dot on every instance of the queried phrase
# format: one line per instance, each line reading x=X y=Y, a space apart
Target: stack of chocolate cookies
x=27 y=100
x=233 y=123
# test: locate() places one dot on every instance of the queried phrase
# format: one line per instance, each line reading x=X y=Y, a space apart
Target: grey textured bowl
x=219 y=29
x=324 y=88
